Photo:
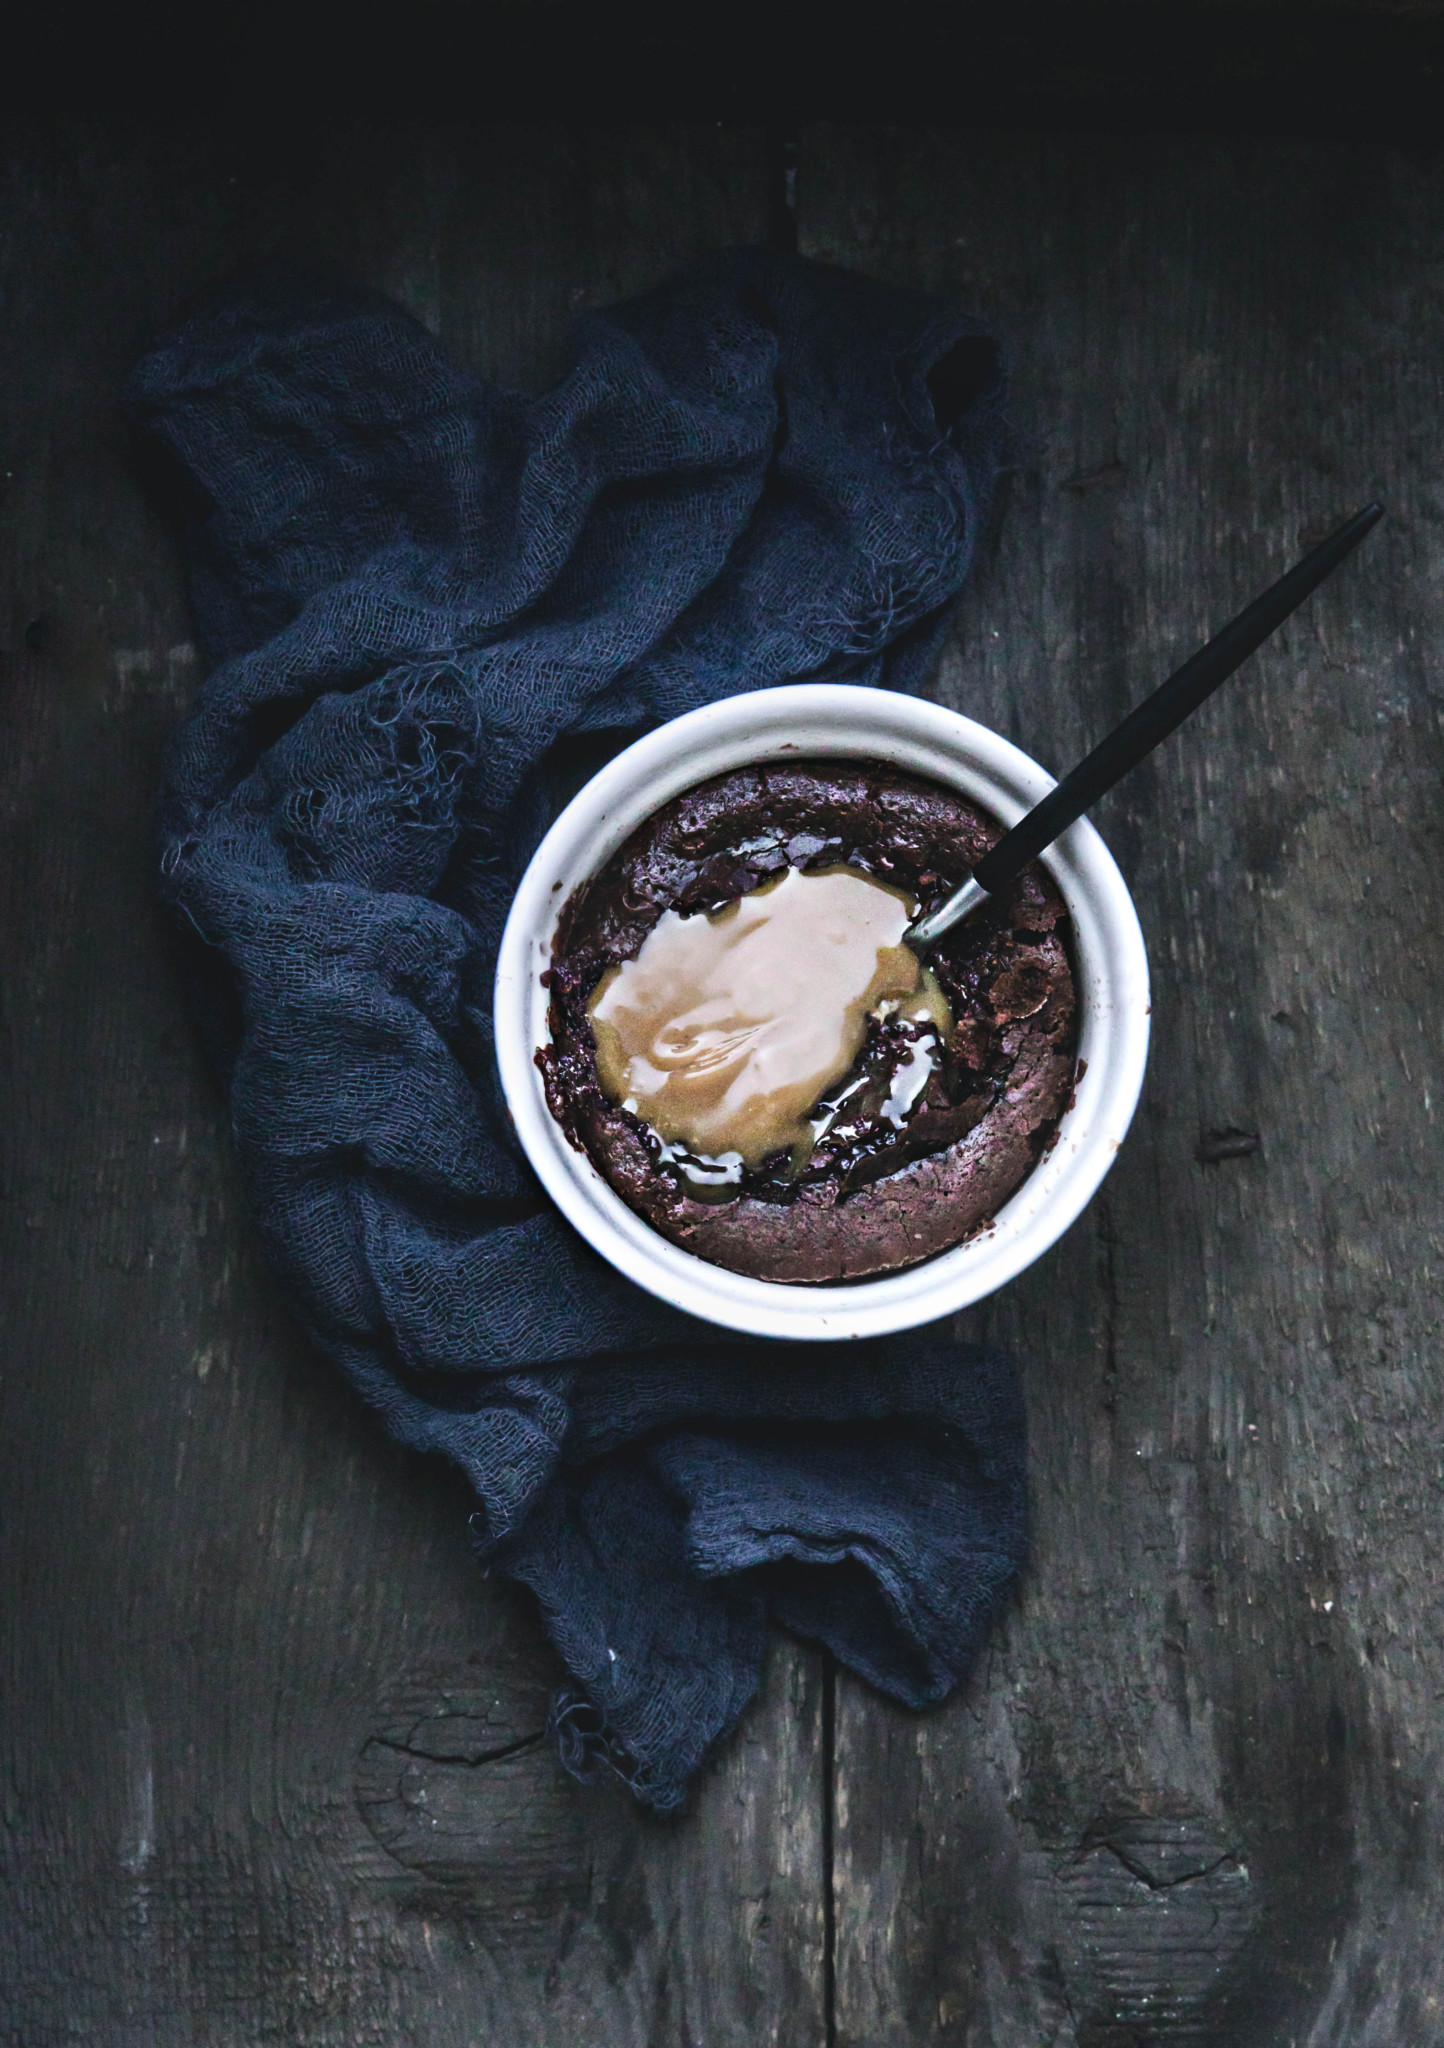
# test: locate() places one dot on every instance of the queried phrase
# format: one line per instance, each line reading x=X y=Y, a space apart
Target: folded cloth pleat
x=426 y=603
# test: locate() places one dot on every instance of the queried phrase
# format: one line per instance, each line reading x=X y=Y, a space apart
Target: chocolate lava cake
x=940 y=1117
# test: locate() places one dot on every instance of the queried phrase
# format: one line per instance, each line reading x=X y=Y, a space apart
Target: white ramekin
x=815 y=720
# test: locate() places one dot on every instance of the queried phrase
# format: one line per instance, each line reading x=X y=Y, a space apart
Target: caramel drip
x=729 y=1024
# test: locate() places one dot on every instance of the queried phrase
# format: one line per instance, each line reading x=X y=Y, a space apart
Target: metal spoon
x=1153 y=720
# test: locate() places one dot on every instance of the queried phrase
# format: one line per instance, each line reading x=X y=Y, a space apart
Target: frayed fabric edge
x=590 y=1751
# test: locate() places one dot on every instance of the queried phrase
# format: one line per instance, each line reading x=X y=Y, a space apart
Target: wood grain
x=1195 y=1794
x=272 y=1767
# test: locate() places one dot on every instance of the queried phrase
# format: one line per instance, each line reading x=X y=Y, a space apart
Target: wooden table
x=272 y=1766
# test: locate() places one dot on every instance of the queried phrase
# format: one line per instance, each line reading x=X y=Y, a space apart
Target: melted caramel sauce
x=729 y=1025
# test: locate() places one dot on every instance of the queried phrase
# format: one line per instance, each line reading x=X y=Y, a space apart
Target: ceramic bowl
x=832 y=720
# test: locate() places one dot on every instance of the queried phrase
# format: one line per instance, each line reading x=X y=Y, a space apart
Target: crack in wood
x=468 y=1759
x=1137 y=1868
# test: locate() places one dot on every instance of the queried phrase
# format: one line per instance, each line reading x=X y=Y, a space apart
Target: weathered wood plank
x=271 y=1759
x=1195 y=1794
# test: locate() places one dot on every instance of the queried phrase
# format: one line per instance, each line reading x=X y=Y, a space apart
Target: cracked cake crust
x=879 y=1193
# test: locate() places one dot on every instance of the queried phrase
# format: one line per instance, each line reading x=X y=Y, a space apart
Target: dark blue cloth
x=427 y=602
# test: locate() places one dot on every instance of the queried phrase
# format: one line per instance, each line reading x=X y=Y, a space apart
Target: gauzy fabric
x=427 y=604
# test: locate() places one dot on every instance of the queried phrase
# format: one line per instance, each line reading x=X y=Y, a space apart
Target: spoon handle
x=1169 y=705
